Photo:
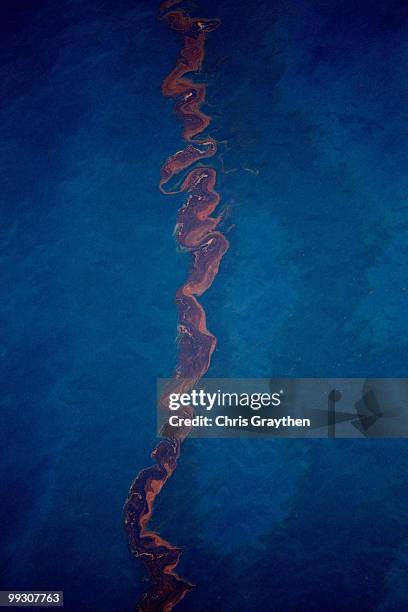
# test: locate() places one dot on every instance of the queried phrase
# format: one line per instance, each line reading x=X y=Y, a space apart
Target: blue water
x=312 y=99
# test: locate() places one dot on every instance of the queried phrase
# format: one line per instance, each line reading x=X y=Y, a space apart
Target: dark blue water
x=312 y=99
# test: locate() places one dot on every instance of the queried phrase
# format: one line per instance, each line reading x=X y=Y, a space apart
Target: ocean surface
x=311 y=98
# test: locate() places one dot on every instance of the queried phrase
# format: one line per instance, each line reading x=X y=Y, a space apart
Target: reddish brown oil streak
x=196 y=232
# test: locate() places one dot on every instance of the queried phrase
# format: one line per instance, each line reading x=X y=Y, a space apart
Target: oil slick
x=196 y=232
